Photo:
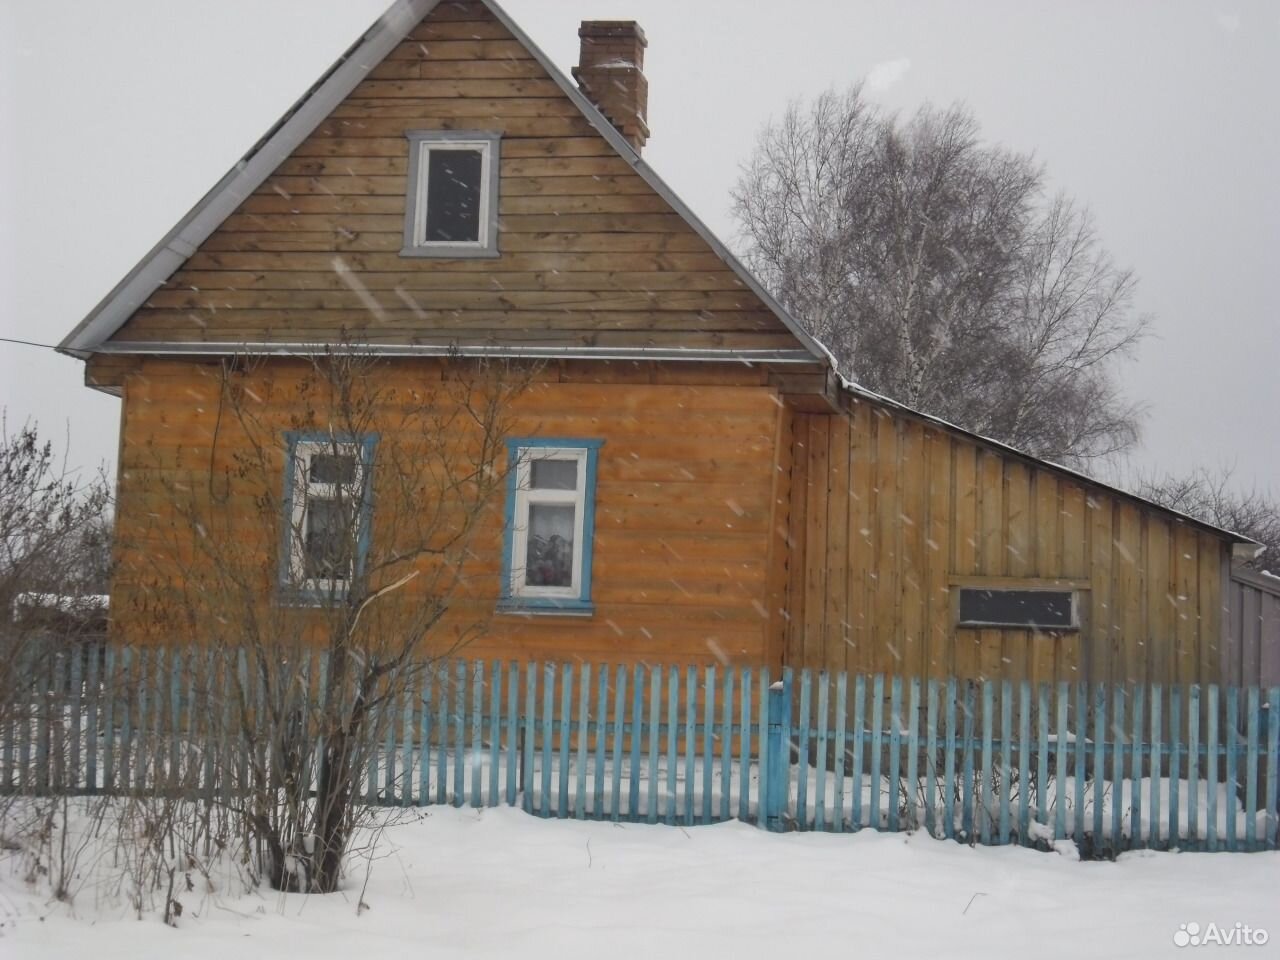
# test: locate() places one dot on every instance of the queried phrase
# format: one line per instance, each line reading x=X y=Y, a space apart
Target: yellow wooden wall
x=683 y=509
x=888 y=515
x=590 y=255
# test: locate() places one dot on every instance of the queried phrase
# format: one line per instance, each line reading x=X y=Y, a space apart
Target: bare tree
x=347 y=566
x=1214 y=497
x=938 y=273
x=54 y=551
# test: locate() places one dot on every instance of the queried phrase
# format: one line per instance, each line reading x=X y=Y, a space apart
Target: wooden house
x=445 y=190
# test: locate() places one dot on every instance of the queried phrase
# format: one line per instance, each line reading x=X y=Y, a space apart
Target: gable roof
x=152 y=272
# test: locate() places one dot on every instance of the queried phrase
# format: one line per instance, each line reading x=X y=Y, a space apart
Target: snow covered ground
x=499 y=883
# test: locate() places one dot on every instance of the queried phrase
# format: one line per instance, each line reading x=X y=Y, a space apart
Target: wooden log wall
x=684 y=519
x=590 y=255
x=889 y=516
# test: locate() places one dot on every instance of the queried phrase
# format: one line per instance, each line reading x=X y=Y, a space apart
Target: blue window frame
x=550 y=525
x=328 y=509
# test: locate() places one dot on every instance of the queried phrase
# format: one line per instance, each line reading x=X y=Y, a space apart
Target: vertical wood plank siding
x=1251 y=654
x=889 y=515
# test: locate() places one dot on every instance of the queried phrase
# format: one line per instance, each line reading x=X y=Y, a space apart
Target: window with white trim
x=550 y=521
x=327 y=508
x=451 y=205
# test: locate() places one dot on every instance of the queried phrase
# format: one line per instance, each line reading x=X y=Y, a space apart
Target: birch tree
x=941 y=273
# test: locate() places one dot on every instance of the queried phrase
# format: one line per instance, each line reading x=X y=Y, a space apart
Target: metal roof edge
x=549 y=352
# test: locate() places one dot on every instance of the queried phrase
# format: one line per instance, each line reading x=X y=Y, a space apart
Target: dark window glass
x=550 y=558
x=553 y=474
x=325 y=535
x=1016 y=608
x=326 y=468
x=453 y=195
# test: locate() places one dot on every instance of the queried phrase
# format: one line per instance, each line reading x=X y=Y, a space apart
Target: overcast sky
x=1163 y=116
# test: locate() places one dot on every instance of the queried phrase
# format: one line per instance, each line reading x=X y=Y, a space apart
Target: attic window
x=451 y=206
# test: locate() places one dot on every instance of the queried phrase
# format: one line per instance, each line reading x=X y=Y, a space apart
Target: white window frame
x=304 y=491
x=526 y=497
x=421 y=144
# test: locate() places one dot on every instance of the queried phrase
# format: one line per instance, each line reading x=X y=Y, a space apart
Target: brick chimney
x=610 y=72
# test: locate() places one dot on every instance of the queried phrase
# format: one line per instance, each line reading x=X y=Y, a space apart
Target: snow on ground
x=499 y=883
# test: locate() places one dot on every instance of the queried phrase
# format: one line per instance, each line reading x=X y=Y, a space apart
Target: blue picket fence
x=993 y=762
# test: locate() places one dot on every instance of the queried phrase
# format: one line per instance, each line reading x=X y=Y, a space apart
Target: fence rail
x=1106 y=767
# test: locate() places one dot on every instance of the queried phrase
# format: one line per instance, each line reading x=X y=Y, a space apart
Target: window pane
x=453 y=195
x=550 y=559
x=1016 y=608
x=553 y=474
x=325 y=539
x=327 y=468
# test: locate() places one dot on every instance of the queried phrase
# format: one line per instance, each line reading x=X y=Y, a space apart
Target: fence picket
x=842 y=681
x=949 y=773
x=931 y=757
x=637 y=717
x=1233 y=745
x=673 y=762
x=859 y=732
x=877 y=745
x=966 y=783
x=424 y=737
x=495 y=734
x=895 y=750
x=690 y=740
x=547 y=735
x=655 y=732
x=93 y=693
x=820 y=767
x=1135 y=768
x=1042 y=753
x=513 y=732
x=1060 y=764
x=1156 y=766
x=802 y=763
x=1099 y=758
x=477 y=734
x=1006 y=766
x=529 y=735
x=1024 y=765
x=988 y=771
x=726 y=747
x=1175 y=760
x=708 y=759
x=1211 y=768
x=1117 y=769
x=602 y=720
x=619 y=714
x=584 y=719
x=1081 y=755
x=1193 y=763
x=744 y=749
x=566 y=734
x=1251 y=771
x=75 y=700
x=1273 y=759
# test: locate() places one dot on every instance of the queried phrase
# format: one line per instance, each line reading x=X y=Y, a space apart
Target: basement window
x=1022 y=609
x=451 y=205
x=326 y=509
x=550 y=526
